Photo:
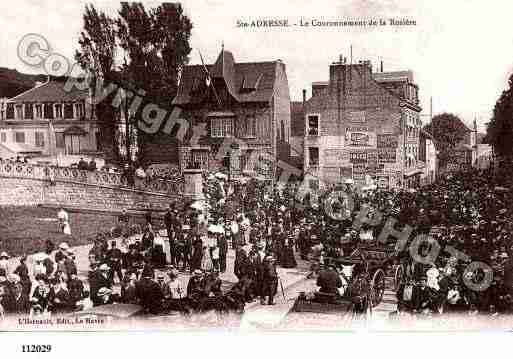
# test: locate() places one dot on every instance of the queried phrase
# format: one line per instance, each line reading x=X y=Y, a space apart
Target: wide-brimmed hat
x=104 y=291
x=14 y=278
x=63 y=245
x=4 y=255
x=197 y=272
x=104 y=267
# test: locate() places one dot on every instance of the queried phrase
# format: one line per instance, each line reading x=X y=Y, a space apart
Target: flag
x=209 y=81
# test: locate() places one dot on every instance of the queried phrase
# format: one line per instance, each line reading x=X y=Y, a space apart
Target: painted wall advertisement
x=387 y=141
x=333 y=157
x=359 y=171
x=331 y=174
x=387 y=155
x=360 y=136
x=358 y=157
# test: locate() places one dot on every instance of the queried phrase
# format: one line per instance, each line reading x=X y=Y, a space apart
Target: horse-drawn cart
x=363 y=275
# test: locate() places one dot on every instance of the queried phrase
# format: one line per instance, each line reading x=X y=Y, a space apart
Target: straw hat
x=104 y=291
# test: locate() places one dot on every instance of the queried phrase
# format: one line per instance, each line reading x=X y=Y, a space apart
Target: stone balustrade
x=11 y=169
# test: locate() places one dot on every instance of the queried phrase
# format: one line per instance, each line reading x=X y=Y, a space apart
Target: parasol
x=200 y=205
x=215 y=228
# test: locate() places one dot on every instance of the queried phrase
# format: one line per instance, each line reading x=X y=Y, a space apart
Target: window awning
x=75 y=131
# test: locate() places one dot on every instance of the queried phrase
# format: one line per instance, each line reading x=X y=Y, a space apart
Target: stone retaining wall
x=25 y=184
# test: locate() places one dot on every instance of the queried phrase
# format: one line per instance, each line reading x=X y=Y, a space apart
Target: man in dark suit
x=20 y=304
x=269 y=280
x=114 y=257
x=149 y=293
x=101 y=279
x=195 y=286
x=222 y=243
x=170 y=223
x=59 y=298
x=329 y=281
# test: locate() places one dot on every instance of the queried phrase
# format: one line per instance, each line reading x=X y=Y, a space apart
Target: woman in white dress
x=206 y=260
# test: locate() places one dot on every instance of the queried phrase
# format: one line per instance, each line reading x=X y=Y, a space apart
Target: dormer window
x=312 y=125
x=250 y=82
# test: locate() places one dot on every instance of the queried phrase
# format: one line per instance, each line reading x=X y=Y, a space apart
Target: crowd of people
x=268 y=228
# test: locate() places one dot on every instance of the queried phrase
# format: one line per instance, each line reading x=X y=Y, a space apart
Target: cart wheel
x=378 y=287
x=398 y=276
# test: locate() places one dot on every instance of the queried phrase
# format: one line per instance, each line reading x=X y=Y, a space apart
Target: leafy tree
x=499 y=132
x=97 y=55
x=153 y=46
x=156 y=46
x=448 y=130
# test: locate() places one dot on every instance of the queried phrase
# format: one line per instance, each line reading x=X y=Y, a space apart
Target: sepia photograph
x=268 y=166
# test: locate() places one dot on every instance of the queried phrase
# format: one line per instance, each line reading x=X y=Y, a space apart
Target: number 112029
x=30 y=348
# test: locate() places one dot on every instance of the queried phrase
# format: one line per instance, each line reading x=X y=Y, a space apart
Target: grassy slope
x=21 y=231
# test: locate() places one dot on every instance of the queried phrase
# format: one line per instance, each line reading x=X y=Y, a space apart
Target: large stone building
x=363 y=125
x=247 y=103
x=47 y=120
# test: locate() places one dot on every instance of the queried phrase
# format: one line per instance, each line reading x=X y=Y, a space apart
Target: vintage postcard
x=296 y=166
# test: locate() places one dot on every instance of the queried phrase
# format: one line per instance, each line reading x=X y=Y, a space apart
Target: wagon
x=377 y=261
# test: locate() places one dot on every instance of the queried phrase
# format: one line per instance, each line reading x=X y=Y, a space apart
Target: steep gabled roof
x=51 y=91
x=246 y=82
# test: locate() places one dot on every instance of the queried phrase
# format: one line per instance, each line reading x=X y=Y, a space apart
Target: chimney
x=304 y=96
x=381 y=65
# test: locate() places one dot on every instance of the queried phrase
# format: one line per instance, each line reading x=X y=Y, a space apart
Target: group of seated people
x=430 y=289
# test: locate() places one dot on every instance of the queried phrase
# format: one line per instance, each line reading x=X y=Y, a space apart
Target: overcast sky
x=461 y=51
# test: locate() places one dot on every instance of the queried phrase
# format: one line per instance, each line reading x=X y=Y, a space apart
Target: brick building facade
x=247 y=104
x=363 y=125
